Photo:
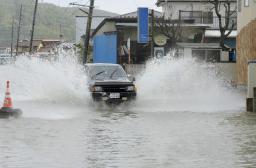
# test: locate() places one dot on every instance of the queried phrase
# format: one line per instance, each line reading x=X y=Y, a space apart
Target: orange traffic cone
x=7 y=99
x=7 y=109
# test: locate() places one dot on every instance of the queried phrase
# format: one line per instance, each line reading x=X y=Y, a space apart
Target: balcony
x=196 y=17
x=200 y=17
x=215 y=24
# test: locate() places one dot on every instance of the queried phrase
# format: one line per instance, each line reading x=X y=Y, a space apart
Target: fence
x=246 y=50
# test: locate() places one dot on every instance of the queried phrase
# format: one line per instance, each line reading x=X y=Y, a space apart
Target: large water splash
x=185 y=85
x=165 y=85
x=41 y=80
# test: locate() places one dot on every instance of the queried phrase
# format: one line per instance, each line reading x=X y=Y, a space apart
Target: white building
x=81 y=22
x=246 y=12
x=200 y=15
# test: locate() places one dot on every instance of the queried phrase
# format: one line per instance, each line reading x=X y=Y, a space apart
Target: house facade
x=201 y=15
x=117 y=33
x=81 y=22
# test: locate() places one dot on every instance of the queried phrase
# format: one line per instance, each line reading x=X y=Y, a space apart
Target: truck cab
x=109 y=83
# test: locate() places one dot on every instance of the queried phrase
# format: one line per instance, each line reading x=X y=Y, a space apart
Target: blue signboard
x=142 y=36
x=105 y=49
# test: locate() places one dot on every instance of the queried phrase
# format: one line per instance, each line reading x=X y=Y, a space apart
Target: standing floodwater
x=185 y=116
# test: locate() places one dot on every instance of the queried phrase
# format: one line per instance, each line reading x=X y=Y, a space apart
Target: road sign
x=143 y=35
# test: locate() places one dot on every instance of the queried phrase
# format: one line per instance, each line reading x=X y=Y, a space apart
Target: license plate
x=114 y=95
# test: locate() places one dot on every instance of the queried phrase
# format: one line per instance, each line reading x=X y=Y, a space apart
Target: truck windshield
x=106 y=72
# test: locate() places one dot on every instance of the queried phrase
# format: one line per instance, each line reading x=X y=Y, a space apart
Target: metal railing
x=215 y=24
x=200 y=17
x=196 y=17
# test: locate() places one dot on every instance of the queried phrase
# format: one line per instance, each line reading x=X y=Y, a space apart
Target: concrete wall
x=245 y=13
x=246 y=50
x=251 y=79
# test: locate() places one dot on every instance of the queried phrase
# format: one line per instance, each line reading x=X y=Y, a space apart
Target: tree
x=227 y=25
x=171 y=28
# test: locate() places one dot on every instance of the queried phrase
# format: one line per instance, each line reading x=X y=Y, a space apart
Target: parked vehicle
x=109 y=83
x=6 y=59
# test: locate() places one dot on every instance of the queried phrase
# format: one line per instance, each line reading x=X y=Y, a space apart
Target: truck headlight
x=97 y=88
x=130 y=88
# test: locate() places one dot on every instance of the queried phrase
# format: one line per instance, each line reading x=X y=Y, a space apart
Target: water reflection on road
x=123 y=138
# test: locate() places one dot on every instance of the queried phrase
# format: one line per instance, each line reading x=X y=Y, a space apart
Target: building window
x=239 y=5
x=246 y=3
x=196 y=17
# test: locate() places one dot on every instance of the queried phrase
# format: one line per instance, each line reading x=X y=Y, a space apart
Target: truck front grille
x=114 y=88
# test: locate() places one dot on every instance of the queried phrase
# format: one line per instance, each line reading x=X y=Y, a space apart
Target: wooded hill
x=51 y=20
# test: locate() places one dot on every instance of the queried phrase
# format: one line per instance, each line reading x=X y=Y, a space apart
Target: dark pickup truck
x=109 y=83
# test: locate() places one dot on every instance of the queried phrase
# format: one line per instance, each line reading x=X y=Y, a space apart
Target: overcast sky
x=115 y=6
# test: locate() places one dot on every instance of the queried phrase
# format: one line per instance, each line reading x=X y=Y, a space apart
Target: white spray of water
x=185 y=85
x=36 y=79
x=165 y=85
x=58 y=83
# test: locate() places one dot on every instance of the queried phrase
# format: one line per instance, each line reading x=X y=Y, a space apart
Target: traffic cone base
x=7 y=109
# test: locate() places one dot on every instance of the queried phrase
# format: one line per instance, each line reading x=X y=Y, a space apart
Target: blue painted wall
x=105 y=48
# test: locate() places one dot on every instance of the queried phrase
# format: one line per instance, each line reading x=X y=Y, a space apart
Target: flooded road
x=184 y=117
x=119 y=138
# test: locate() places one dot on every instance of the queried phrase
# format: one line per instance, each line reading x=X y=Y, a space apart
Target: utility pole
x=12 y=35
x=152 y=32
x=61 y=36
x=88 y=28
x=18 y=31
x=87 y=35
x=33 y=26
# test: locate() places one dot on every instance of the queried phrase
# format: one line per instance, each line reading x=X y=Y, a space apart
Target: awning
x=216 y=33
x=200 y=45
x=127 y=24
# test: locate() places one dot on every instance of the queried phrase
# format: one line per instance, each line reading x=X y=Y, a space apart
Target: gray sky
x=115 y=6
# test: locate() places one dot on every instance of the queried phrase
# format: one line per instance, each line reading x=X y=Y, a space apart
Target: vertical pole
x=61 y=33
x=87 y=35
x=33 y=26
x=152 y=32
x=88 y=28
x=12 y=35
x=254 y=100
x=129 y=49
x=18 y=31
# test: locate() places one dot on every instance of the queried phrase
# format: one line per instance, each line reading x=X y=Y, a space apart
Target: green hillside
x=51 y=20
